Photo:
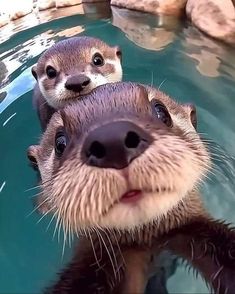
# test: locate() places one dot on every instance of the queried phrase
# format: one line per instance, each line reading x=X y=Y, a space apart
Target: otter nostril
x=132 y=140
x=97 y=149
x=85 y=83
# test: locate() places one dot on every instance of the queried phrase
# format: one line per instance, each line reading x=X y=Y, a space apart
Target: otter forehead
x=77 y=50
x=108 y=102
x=120 y=99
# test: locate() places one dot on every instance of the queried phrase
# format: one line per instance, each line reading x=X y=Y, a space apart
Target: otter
x=126 y=175
x=70 y=69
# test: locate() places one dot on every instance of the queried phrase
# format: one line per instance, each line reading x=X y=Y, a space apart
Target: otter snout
x=115 y=145
x=77 y=83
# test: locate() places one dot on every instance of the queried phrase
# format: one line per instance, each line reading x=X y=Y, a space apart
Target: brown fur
x=177 y=163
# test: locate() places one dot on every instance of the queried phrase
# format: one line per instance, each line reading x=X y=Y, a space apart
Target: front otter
x=120 y=164
x=71 y=68
x=126 y=173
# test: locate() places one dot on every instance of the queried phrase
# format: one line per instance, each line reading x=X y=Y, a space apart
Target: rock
x=45 y=4
x=216 y=18
x=4 y=19
x=168 y=7
x=66 y=3
x=137 y=28
x=16 y=9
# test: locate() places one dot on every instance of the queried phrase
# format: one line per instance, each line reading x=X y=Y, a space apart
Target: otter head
x=119 y=158
x=74 y=67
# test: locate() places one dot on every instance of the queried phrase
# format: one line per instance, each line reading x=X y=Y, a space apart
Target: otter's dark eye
x=162 y=113
x=51 y=72
x=98 y=60
x=60 y=143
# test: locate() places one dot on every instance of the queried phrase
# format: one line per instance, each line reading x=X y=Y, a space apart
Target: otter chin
x=121 y=158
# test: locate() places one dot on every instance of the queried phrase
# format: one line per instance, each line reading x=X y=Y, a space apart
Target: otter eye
x=60 y=143
x=51 y=72
x=98 y=60
x=162 y=113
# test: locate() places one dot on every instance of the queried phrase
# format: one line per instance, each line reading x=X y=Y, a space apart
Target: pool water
x=163 y=52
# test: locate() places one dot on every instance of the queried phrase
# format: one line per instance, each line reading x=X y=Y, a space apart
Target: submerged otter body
x=72 y=68
x=126 y=173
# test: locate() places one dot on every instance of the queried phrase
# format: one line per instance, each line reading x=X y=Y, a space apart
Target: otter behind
x=72 y=68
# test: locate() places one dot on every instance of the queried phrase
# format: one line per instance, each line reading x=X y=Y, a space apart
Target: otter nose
x=115 y=145
x=77 y=83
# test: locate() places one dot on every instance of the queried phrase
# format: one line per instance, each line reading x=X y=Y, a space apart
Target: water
x=164 y=52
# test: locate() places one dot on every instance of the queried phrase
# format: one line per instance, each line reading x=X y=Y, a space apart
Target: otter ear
x=32 y=154
x=34 y=72
x=118 y=52
x=192 y=113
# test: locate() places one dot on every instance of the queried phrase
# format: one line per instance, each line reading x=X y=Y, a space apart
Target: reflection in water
x=3 y=96
x=70 y=32
x=147 y=31
x=2 y=186
x=94 y=10
x=209 y=53
x=157 y=32
x=17 y=61
x=98 y=9
x=3 y=73
x=8 y=119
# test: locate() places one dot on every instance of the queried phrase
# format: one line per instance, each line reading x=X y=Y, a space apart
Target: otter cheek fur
x=121 y=164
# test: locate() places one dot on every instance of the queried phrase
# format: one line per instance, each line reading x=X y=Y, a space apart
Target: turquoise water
x=163 y=52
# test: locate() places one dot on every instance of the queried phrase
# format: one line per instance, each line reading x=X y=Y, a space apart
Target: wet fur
x=183 y=227
x=206 y=244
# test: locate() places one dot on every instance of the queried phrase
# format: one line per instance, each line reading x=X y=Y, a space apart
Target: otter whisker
x=114 y=255
x=60 y=228
x=93 y=248
x=215 y=275
x=56 y=225
x=115 y=237
x=119 y=249
x=49 y=181
x=52 y=218
x=70 y=235
x=33 y=188
x=38 y=206
x=45 y=214
x=37 y=194
x=109 y=255
x=101 y=250
x=161 y=84
x=192 y=249
x=65 y=230
x=151 y=78
x=42 y=104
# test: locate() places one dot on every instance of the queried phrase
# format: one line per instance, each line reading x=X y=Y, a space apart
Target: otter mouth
x=134 y=196
x=131 y=196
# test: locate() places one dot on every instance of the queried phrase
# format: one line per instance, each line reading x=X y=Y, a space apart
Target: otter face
x=74 y=67
x=121 y=157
